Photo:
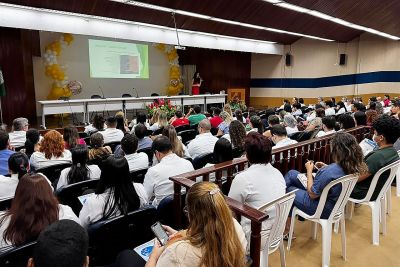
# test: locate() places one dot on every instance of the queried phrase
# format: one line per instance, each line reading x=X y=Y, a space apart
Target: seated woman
x=98 y=150
x=177 y=146
x=160 y=122
x=386 y=132
x=223 y=127
x=237 y=134
x=346 y=121
x=34 y=208
x=79 y=171
x=121 y=122
x=290 y=124
x=18 y=166
x=51 y=152
x=71 y=138
x=316 y=123
x=347 y=159
x=204 y=243
x=141 y=118
x=115 y=193
x=260 y=183
x=96 y=126
x=32 y=142
x=256 y=125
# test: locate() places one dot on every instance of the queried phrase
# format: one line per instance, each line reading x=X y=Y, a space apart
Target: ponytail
x=18 y=163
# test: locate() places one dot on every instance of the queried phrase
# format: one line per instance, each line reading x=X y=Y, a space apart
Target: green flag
x=2 y=87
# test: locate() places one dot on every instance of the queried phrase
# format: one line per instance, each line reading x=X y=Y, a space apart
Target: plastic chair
x=347 y=182
x=187 y=135
x=17 y=257
x=275 y=238
x=182 y=128
x=137 y=176
x=377 y=206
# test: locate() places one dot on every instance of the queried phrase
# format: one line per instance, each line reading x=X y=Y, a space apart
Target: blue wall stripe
x=350 y=79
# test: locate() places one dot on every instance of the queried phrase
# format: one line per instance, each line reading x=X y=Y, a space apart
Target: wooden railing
x=285 y=159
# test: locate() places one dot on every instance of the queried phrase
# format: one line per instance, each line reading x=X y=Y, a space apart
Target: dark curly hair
x=237 y=133
x=346 y=121
x=389 y=127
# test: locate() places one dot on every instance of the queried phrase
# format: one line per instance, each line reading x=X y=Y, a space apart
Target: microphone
x=102 y=93
x=137 y=94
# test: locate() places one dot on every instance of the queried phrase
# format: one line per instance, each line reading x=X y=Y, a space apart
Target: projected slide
x=118 y=60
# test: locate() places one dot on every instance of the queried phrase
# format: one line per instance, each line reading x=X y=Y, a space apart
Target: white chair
x=377 y=206
x=347 y=182
x=389 y=192
x=274 y=239
x=398 y=181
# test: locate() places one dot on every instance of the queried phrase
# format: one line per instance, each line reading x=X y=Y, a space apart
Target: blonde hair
x=211 y=227
x=228 y=109
x=162 y=119
x=177 y=147
x=155 y=116
x=226 y=117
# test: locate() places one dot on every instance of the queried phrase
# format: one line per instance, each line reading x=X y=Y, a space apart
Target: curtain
x=187 y=76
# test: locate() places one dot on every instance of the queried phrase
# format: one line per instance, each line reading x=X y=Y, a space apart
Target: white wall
x=76 y=57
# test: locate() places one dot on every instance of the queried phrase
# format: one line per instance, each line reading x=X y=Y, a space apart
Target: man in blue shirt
x=5 y=152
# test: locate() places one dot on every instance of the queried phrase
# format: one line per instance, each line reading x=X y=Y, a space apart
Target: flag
x=2 y=87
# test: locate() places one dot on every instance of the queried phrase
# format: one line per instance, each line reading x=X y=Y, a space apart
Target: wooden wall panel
x=16 y=47
x=219 y=69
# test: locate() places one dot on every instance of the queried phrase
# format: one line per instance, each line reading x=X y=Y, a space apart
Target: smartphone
x=160 y=233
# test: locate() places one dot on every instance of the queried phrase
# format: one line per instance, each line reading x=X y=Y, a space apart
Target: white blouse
x=39 y=161
x=92 y=210
x=8 y=186
x=93 y=174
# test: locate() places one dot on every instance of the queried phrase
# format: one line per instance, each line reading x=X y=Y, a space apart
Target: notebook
x=303 y=179
x=145 y=249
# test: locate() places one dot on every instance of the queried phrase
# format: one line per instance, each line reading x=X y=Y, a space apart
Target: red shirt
x=215 y=121
x=180 y=122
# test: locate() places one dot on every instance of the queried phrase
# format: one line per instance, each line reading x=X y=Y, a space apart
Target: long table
x=85 y=106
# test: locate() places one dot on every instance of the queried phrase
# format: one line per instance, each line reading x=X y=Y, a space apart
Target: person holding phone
x=204 y=243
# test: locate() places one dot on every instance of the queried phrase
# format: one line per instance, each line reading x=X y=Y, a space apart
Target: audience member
x=204 y=142
x=18 y=134
x=96 y=126
x=358 y=107
x=196 y=117
x=227 y=108
x=179 y=120
x=32 y=142
x=360 y=118
x=121 y=122
x=347 y=159
x=160 y=123
x=386 y=133
x=239 y=116
x=301 y=101
x=141 y=118
x=216 y=119
x=111 y=133
x=63 y=244
x=71 y=138
x=156 y=181
x=237 y=134
x=313 y=114
x=260 y=183
x=256 y=124
x=386 y=100
x=328 y=126
x=143 y=140
x=395 y=109
x=136 y=161
x=114 y=195
x=223 y=127
x=80 y=170
x=33 y=208
x=268 y=113
x=279 y=137
x=287 y=108
x=18 y=166
x=272 y=120
x=5 y=152
x=346 y=121
x=52 y=152
x=98 y=151
x=296 y=111
x=329 y=110
x=341 y=108
x=290 y=123
x=371 y=114
x=177 y=147
x=205 y=242
x=222 y=151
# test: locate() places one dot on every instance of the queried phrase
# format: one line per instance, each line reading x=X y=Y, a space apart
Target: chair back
x=53 y=172
x=149 y=152
x=187 y=135
x=182 y=128
x=83 y=135
x=158 y=131
x=113 y=145
x=68 y=195
x=137 y=176
x=347 y=182
x=17 y=257
x=282 y=207
x=109 y=237
x=392 y=169
x=201 y=161
x=18 y=149
x=237 y=152
x=5 y=204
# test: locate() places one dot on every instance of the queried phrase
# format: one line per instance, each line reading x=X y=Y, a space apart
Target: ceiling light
x=292 y=7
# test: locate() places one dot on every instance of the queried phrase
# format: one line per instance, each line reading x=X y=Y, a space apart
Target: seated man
x=135 y=160
x=279 y=137
x=386 y=132
x=64 y=244
x=179 y=120
x=328 y=126
x=18 y=134
x=215 y=120
x=143 y=140
x=204 y=142
x=157 y=182
x=297 y=109
x=272 y=120
x=112 y=134
x=5 y=152
x=196 y=117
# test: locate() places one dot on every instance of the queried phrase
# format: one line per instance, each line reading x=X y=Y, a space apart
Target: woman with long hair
x=196 y=83
x=213 y=237
x=347 y=159
x=237 y=134
x=32 y=142
x=341 y=108
x=18 y=166
x=114 y=195
x=161 y=122
x=96 y=126
x=256 y=124
x=71 y=138
x=52 y=151
x=121 y=122
x=79 y=171
x=34 y=207
x=177 y=147
x=227 y=108
x=223 y=127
